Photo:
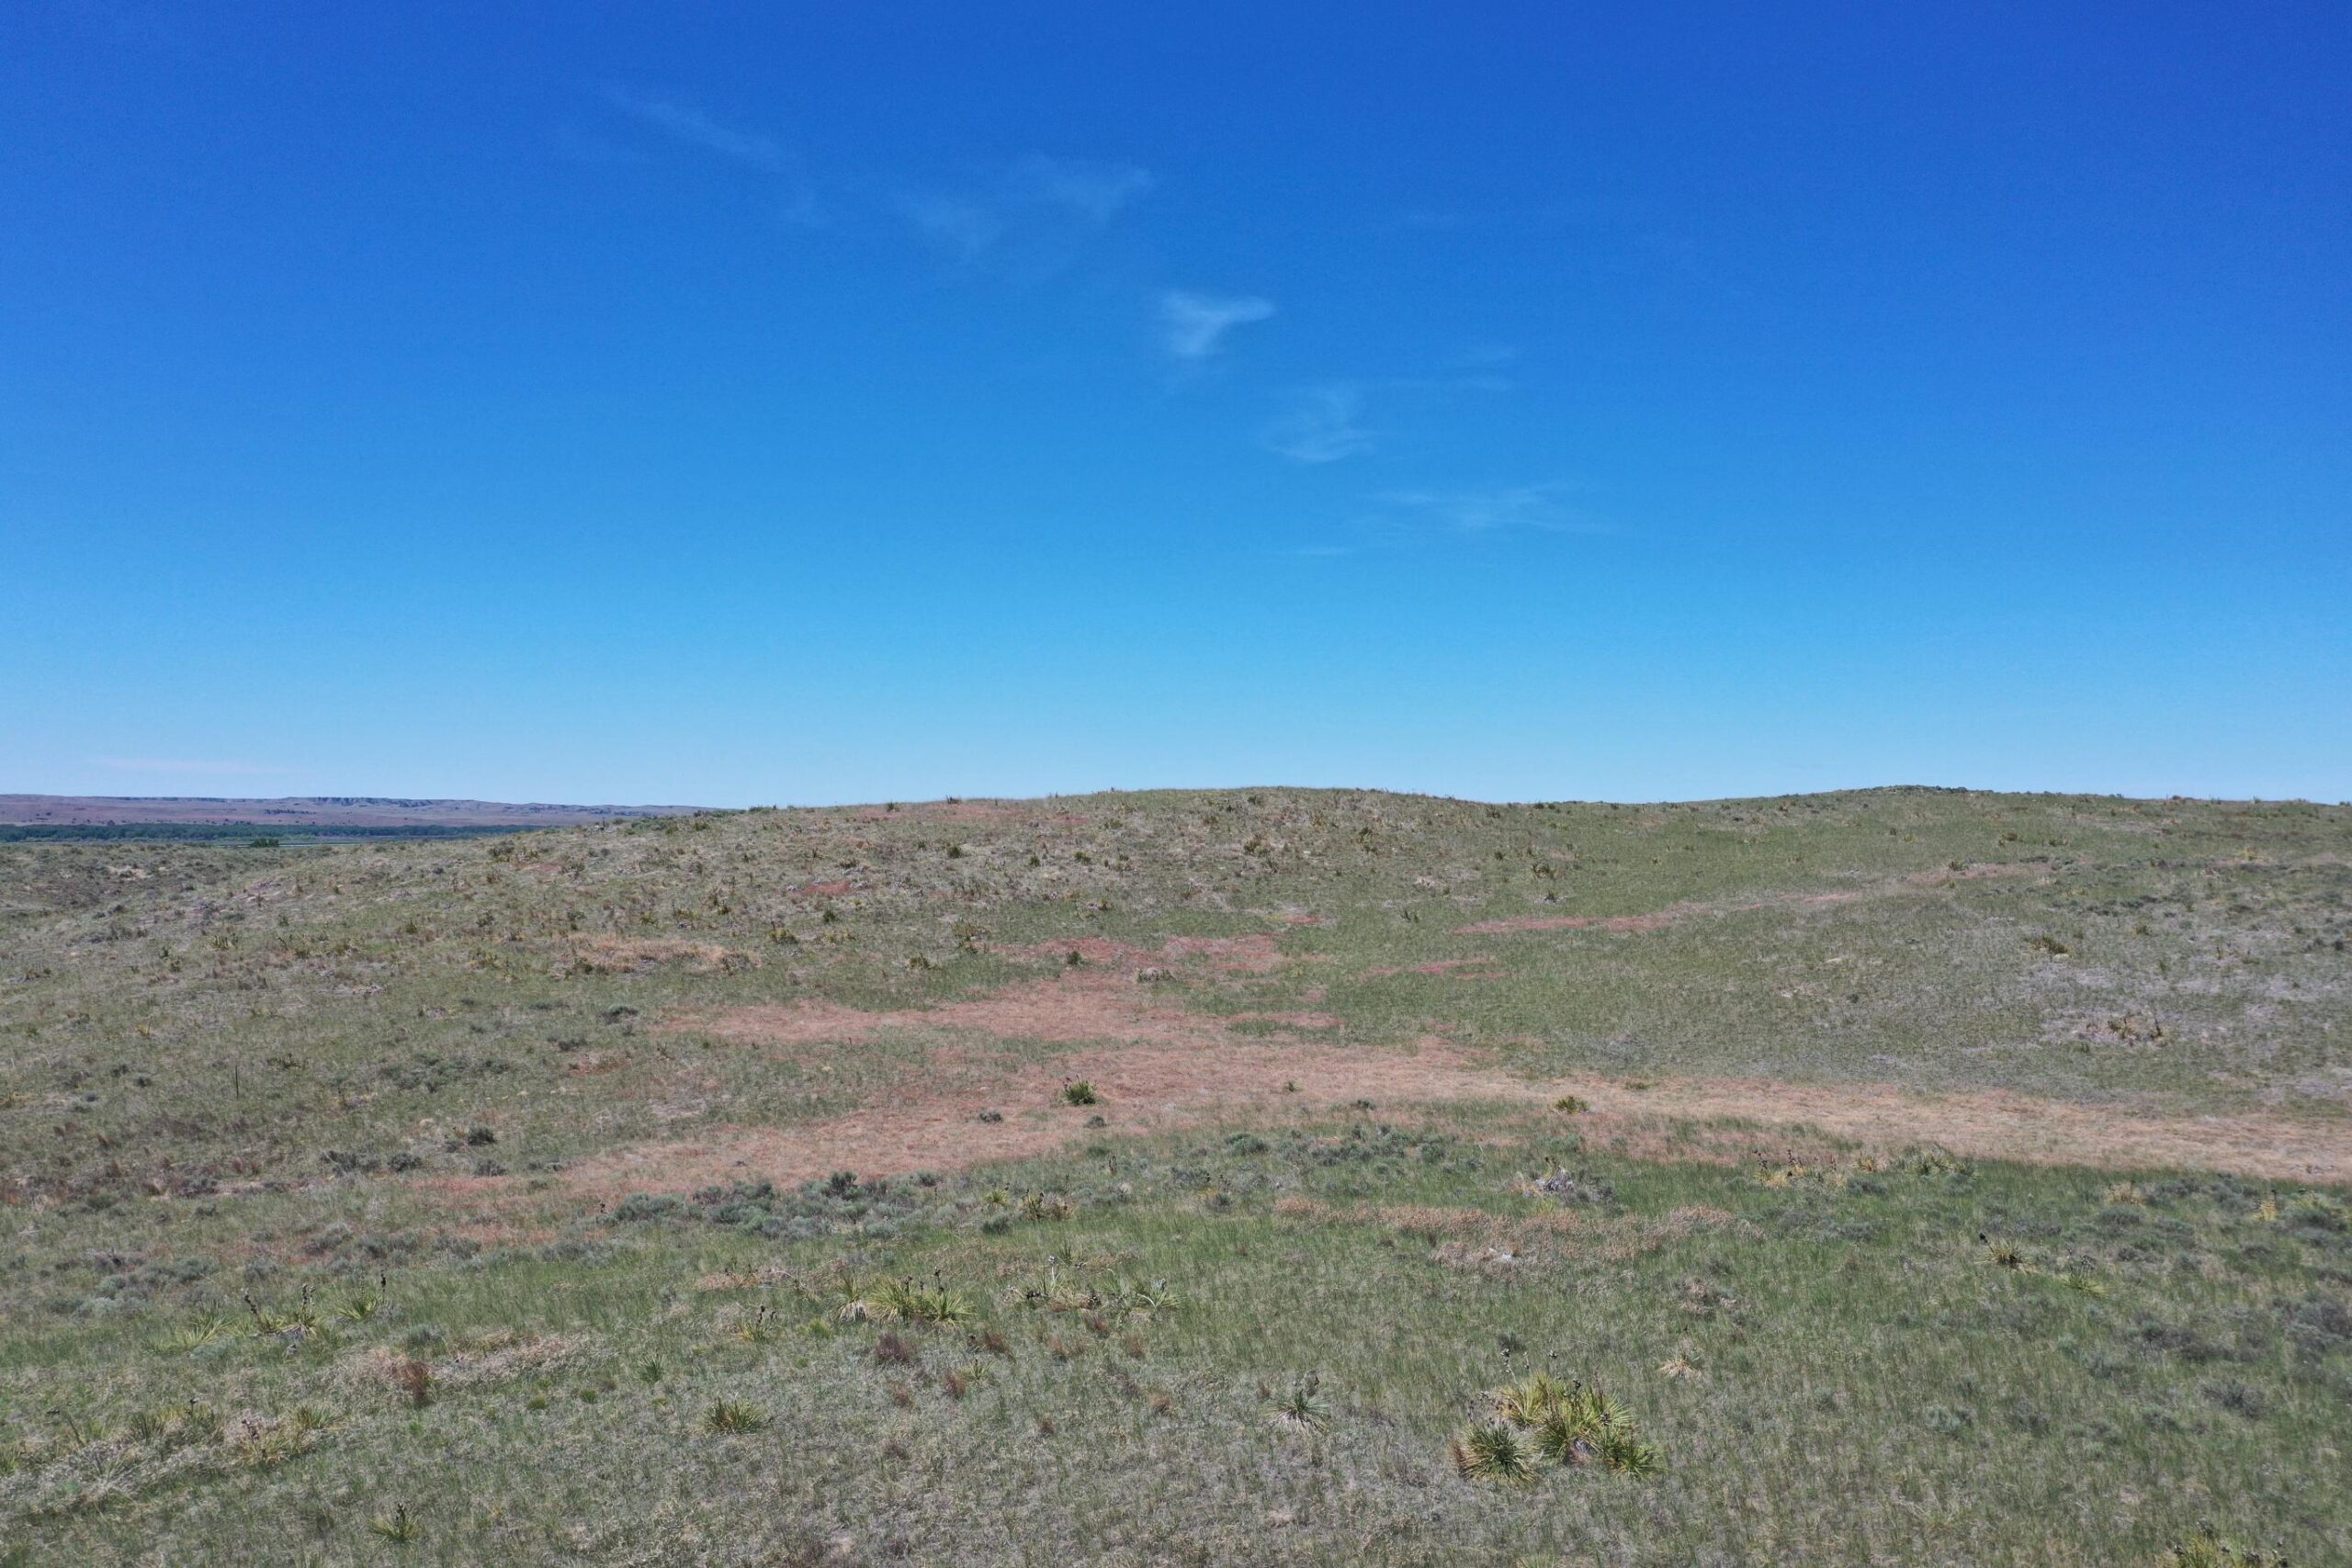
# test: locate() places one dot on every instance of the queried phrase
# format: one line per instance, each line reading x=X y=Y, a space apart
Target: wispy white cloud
x=692 y=127
x=1095 y=192
x=1037 y=206
x=1537 y=507
x=187 y=766
x=1195 y=325
x=1322 y=424
x=958 y=223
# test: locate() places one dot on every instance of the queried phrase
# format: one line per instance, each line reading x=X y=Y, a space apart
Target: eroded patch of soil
x=1150 y=1088
x=1159 y=1066
x=1163 y=1087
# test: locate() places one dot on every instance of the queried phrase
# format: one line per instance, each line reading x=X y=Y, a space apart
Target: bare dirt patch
x=2001 y=1125
x=1163 y=1087
x=1157 y=1066
x=1142 y=1088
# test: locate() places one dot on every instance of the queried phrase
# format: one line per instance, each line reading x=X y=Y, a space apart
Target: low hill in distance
x=106 y=816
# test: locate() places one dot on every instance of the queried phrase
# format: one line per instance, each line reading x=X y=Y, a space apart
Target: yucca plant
x=303 y=1314
x=193 y=1336
x=1563 y=1439
x=733 y=1416
x=361 y=1305
x=932 y=1305
x=1622 y=1451
x=1300 y=1408
x=1130 y=1296
x=399 y=1527
x=1493 y=1452
x=1528 y=1402
x=759 y=1327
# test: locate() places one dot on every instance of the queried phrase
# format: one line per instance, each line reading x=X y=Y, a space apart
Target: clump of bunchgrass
x=1079 y=1092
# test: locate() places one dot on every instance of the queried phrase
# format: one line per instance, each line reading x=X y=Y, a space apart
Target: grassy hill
x=1930 y=1176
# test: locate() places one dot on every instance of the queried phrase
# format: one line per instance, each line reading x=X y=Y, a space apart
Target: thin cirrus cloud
x=1539 y=508
x=692 y=127
x=1322 y=424
x=1036 y=205
x=1193 y=325
x=700 y=132
x=1096 y=192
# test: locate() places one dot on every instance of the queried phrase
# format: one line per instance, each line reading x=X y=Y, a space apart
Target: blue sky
x=744 y=403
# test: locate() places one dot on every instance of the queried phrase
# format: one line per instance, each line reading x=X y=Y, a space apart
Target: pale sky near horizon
x=748 y=403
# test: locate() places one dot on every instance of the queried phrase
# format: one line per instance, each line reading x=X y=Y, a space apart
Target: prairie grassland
x=1926 y=1176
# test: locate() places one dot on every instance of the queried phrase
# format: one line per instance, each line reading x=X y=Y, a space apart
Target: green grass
x=1225 y=1357
x=291 y=1272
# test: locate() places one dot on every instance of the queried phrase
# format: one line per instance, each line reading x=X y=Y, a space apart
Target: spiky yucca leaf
x=1621 y=1450
x=1300 y=1408
x=1564 y=1438
x=1527 y=1401
x=733 y=1416
x=933 y=1303
x=1493 y=1452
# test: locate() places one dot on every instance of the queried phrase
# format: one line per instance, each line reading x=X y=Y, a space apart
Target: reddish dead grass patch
x=1160 y=1067
x=1996 y=1124
x=1143 y=1089
x=1156 y=1089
